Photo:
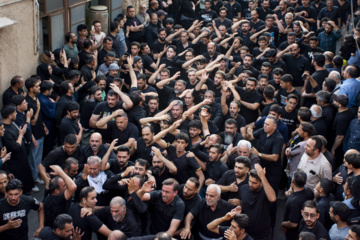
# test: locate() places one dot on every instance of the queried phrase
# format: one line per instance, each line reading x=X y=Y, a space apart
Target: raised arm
x=281 y=53
x=193 y=109
x=202 y=34
x=174 y=34
x=203 y=79
x=269 y=191
x=164 y=82
x=69 y=183
x=152 y=78
x=133 y=78
x=104 y=161
x=170 y=165
x=187 y=64
x=255 y=35
x=102 y=123
x=127 y=103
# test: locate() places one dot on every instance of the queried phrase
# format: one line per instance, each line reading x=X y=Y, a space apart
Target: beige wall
x=17 y=55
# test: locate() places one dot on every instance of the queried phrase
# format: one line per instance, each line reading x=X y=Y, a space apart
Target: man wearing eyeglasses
x=310 y=222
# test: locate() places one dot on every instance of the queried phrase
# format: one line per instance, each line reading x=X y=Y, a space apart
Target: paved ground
x=34 y=224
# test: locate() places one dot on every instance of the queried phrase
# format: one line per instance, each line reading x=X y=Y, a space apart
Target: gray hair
x=334 y=75
x=118 y=201
x=218 y=189
x=244 y=143
x=323 y=96
x=289 y=14
x=93 y=159
x=316 y=111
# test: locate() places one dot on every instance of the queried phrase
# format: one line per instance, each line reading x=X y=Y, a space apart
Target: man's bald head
x=117 y=235
x=351 y=151
x=95 y=141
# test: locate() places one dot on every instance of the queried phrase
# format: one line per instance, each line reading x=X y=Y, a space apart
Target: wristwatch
x=259 y=154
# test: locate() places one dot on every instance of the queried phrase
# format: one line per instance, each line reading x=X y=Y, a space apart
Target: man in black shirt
x=168 y=209
x=37 y=126
x=264 y=10
x=310 y=222
x=125 y=131
x=67 y=91
x=298 y=195
x=14 y=211
x=61 y=189
x=207 y=14
x=188 y=192
x=205 y=211
x=70 y=123
x=248 y=62
x=256 y=197
x=134 y=24
x=231 y=134
x=145 y=144
x=286 y=88
x=232 y=180
x=58 y=156
x=63 y=229
x=118 y=217
x=214 y=167
x=296 y=63
x=88 y=223
x=250 y=101
x=222 y=20
x=16 y=85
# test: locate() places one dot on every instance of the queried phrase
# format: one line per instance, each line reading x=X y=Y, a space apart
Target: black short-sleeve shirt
x=227 y=179
x=53 y=206
x=162 y=214
x=249 y=115
x=20 y=211
x=131 y=131
x=296 y=67
x=38 y=129
x=87 y=224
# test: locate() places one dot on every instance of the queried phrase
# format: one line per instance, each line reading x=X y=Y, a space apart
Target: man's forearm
x=213 y=226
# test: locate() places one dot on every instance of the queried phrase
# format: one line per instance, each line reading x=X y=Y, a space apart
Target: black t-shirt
x=266 y=108
x=263 y=13
x=249 y=115
x=227 y=179
x=274 y=34
x=282 y=96
x=319 y=230
x=214 y=170
x=162 y=213
x=53 y=206
x=186 y=166
x=222 y=230
x=86 y=108
x=296 y=67
x=204 y=214
x=87 y=224
x=48 y=234
x=128 y=225
x=227 y=23
x=38 y=128
x=290 y=119
x=257 y=206
x=319 y=77
x=207 y=16
x=147 y=61
x=158 y=47
x=143 y=151
x=20 y=211
x=103 y=110
x=58 y=157
x=173 y=65
x=293 y=208
x=68 y=126
x=189 y=203
x=131 y=131
x=115 y=166
x=133 y=36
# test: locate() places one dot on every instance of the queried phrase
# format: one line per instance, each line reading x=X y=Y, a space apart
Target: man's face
x=254 y=184
x=194 y=132
x=189 y=56
x=247 y=62
x=179 y=87
x=245 y=27
x=329 y=4
x=243 y=151
x=263 y=82
x=192 y=76
x=284 y=85
x=230 y=129
x=282 y=6
x=24 y=106
x=269 y=125
x=2 y=130
x=73 y=171
x=213 y=154
x=164 y=75
x=352 y=236
x=36 y=88
x=109 y=60
x=13 y=196
x=240 y=170
x=146 y=49
x=121 y=123
x=66 y=233
x=153 y=105
x=97 y=27
x=168 y=194
x=141 y=170
x=310 y=216
x=217 y=79
x=189 y=190
x=269 y=22
x=288 y=19
x=212 y=140
x=62 y=185
x=211 y=49
x=266 y=4
x=176 y=111
x=122 y=158
x=188 y=99
x=317 y=190
x=328 y=28
x=210 y=96
x=83 y=33
x=170 y=53
x=222 y=30
x=95 y=142
x=154 y=19
x=233 y=110
x=113 y=73
x=117 y=212
x=222 y=13
x=211 y=197
x=108 y=45
x=313 y=44
x=291 y=39
x=158 y=165
x=70 y=148
x=184 y=37
x=3 y=182
x=301 y=131
x=250 y=86
x=134 y=50
x=139 y=64
x=207 y=6
x=309 y=147
x=305 y=3
x=147 y=135
x=254 y=16
x=162 y=35
x=180 y=145
x=94 y=169
x=98 y=96
x=112 y=101
x=131 y=12
x=73 y=38
x=90 y=201
x=295 y=51
x=102 y=84
x=291 y=104
x=74 y=115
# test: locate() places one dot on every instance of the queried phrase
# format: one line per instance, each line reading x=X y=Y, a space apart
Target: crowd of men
x=190 y=120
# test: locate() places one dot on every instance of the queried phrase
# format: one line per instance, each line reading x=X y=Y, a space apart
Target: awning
x=4 y=22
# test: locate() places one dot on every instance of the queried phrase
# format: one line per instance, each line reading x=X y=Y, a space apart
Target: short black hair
x=340 y=209
x=113 y=26
x=219 y=147
x=310 y=204
x=143 y=163
x=253 y=173
x=327 y=185
x=8 y=110
x=269 y=91
x=196 y=123
x=244 y=160
x=17 y=99
x=123 y=148
x=319 y=59
x=307 y=236
x=304 y=113
x=64 y=87
x=72 y=106
x=81 y=27
x=287 y=78
x=308 y=128
x=242 y=220
x=14 y=184
x=70 y=139
x=46 y=86
x=300 y=178
x=182 y=136
x=84 y=193
x=30 y=83
x=318 y=143
x=353 y=159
